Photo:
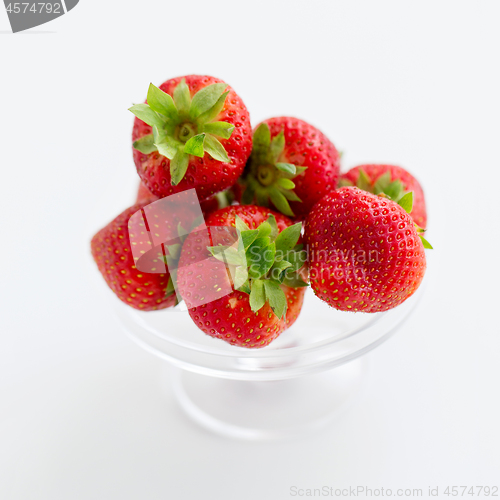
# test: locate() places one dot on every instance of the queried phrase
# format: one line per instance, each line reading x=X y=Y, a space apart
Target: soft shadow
x=27 y=32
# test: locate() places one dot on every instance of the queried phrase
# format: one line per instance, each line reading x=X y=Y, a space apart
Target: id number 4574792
x=461 y=491
x=35 y=7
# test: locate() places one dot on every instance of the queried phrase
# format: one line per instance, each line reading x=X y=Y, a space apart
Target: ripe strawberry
x=365 y=253
x=145 y=196
x=391 y=180
x=262 y=295
x=112 y=254
x=292 y=166
x=194 y=132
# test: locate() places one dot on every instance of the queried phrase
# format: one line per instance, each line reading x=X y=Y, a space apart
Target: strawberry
x=145 y=196
x=262 y=294
x=391 y=180
x=292 y=166
x=365 y=252
x=194 y=132
x=112 y=254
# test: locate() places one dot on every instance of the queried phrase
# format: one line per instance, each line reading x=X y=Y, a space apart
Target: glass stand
x=266 y=410
x=295 y=385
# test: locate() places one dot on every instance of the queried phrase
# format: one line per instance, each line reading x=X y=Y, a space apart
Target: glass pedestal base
x=267 y=410
x=295 y=385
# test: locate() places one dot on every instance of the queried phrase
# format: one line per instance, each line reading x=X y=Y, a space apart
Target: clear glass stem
x=266 y=410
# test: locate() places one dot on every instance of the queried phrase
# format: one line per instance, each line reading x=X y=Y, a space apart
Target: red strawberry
x=194 y=132
x=209 y=206
x=292 y=166
x=112 y=254
x=365 y=253
x=144 y=195
x=391 y=180
x=264 y=295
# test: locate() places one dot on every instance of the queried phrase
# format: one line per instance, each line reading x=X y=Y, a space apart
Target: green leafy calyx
x=406 y=202
x=261 y=260
x=383 y=185
x=184 y=125
x=425 y=243
x=269 y=176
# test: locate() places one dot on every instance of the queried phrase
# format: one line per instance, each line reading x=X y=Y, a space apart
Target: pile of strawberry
x=290 y=218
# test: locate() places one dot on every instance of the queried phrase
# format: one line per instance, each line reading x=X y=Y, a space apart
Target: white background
x=83 y=413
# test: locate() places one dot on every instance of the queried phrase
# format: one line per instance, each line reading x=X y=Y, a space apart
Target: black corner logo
x=26 y=15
